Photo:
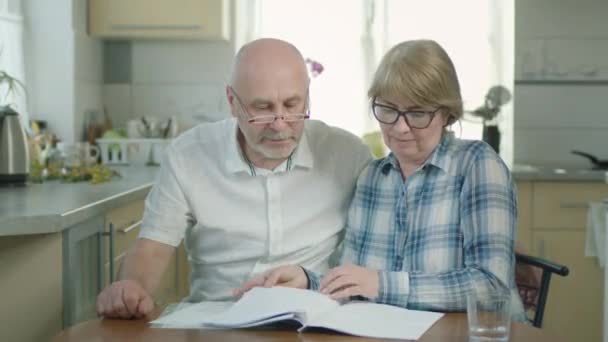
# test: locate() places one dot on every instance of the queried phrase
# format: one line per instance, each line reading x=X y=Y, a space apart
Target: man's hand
x=286 y=276
x=124 y=299
x=350 y=280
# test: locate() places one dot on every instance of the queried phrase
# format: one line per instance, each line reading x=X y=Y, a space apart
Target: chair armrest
x=542 y=263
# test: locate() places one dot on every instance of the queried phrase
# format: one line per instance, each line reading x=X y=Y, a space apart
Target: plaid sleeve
x=488 y=209
x=393 y=288
x=314 y=279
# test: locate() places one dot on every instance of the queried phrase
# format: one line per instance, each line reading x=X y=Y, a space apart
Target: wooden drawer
x=169 y=288
x=564 y=205
x=524 y=215
x=575 y=302
x=126 y=227
x=125 y=238
x=126 y=215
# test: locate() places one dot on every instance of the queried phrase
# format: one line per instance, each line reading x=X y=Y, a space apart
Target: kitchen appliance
x=596 y=162
x=14 y=155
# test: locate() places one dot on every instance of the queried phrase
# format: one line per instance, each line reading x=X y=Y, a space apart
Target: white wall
x=181 y=78
x=63 y=65
x=553 y=119
x=88 y=70
x=49 y=55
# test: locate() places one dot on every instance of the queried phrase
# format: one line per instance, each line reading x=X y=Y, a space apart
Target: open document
x=261 y=306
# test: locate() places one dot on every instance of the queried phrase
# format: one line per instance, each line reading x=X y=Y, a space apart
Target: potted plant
x=12 y=85
x=496 y=97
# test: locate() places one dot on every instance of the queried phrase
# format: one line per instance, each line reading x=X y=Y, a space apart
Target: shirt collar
x=235 y=161
x=440 y=157
x=302 y=156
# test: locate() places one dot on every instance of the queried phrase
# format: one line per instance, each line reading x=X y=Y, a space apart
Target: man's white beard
x=273 y=153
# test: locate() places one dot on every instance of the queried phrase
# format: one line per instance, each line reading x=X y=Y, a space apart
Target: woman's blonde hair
x=422 y=72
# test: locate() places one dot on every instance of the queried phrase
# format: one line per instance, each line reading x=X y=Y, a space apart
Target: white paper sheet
x=261 y=306
x=261 y=303
x=191 y=315
x=378 y=320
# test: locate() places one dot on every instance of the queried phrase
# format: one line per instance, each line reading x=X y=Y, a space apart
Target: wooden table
x=451 y=327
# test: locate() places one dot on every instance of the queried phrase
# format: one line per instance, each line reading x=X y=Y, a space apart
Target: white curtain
x=479 y=37
x=11 y=54
x=349 y=38
x=332 y=33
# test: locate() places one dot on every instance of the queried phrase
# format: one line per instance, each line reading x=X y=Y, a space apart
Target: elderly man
x=246 y=194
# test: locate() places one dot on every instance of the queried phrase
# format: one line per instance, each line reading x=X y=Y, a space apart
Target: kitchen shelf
x=562 y=82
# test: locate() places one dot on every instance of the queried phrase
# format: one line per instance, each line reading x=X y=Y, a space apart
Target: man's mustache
x=278 y=135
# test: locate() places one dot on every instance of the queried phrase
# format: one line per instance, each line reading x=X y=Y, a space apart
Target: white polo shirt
x=237 y=225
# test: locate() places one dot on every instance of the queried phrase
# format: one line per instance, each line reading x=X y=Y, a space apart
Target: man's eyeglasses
x=264 y=119
x=414 y=118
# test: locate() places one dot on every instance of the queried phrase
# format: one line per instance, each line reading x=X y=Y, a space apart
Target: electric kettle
x=14 y=156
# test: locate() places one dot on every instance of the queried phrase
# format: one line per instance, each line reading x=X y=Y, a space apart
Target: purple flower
x=315 y=68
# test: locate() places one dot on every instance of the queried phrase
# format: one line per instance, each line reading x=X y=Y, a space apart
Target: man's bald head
x=269 y=79
x=265 y=58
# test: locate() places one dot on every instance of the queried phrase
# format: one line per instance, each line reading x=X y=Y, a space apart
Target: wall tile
x=87 y=97
x=550 y=18
x=561 y=106
x=553 y=119
x=88 y=58
x=118 y=102
x=191 y=104
x=181 y=62
x=552 y=146
x=117 y=62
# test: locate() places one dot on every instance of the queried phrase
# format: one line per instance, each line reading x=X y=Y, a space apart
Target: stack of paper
x=261 y=306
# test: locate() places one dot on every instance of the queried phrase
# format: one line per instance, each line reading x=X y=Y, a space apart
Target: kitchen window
x=11 y=54
x=349 y=37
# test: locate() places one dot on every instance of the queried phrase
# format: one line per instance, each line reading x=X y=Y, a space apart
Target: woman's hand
x=286 y=276
x=351 y=280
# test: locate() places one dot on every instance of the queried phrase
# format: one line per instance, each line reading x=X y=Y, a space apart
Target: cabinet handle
x=178 y=27
x=573 y=205
x=110 y=234
x=541 y=248
x=131 y=227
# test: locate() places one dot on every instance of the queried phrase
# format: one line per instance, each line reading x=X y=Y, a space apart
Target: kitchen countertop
x=53 y=206
x=558 y=174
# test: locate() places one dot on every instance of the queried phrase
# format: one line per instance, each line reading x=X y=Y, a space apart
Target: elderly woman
x=433 y=220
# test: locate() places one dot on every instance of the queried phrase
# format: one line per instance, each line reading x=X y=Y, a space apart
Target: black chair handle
x=544 y=264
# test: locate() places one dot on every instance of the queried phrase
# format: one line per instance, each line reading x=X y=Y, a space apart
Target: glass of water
x=489 y=315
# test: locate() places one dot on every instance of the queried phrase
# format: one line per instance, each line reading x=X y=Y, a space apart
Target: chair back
x=533 y=276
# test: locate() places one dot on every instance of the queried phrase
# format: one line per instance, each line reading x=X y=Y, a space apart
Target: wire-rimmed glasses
x=264 y=119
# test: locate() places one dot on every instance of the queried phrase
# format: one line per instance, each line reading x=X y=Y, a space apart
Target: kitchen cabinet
x=82 y=270
x=92 y=253
x=51 y=281
x=30 y=287
x=160 y=19
x=53 y=249
x=524 y=210
x=574 y=308
x=122 y=228
x=552 y=221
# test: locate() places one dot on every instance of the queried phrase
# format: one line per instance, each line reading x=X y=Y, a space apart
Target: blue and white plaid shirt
x=446 y=230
